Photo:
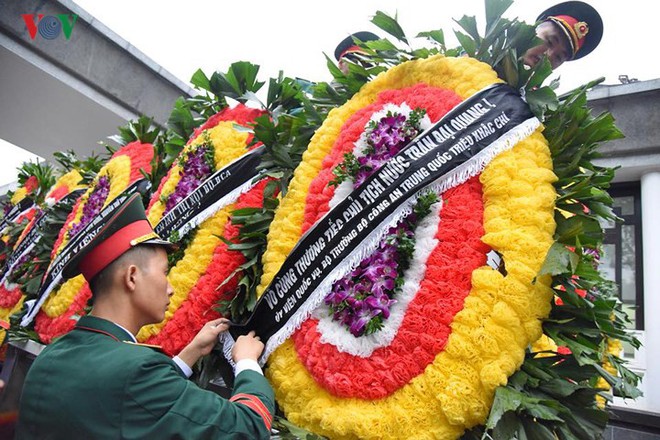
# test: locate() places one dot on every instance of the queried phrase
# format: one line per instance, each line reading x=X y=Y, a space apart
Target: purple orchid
x=363 y=298
x=195 y=170
x=361 y=318
x=94 y=204
x=383 y=285
x=380 y=301
x=341 y=290
x=385 y=138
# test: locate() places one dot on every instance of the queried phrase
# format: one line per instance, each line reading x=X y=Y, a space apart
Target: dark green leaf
x=494 y=10
x=437 y=36
x=559 y=260
x=541 y=100
x=200 y=80
x=535 y=430
x=469 y=25
x=469 y=45
x=505 y=400
x=507 y=426
x=389 y=25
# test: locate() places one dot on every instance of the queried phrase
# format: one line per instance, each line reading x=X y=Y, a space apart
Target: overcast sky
x=292 y=35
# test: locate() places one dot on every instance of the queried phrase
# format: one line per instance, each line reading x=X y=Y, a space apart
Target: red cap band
x=352 y=49
x=112 y=248
x=575 y=30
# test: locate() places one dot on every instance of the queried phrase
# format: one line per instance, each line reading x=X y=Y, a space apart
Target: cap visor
x=158 y=242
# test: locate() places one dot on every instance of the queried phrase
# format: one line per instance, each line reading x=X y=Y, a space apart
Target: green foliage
x=141 y=130
x=18 y=333
x=239 y=83
x=44 y=174
x=181 y=125
x=574 y=136
x=502 y=46
x=286 y=131
x=346 y=170
x=181 y=121
x=286 y=430
x=87 y=167
x=389 y=25
x=254 y=224
x=284 y=95
x=177 y=254
x=538 y=401
x=558 y=260
x=435 y=37
x=213 y=367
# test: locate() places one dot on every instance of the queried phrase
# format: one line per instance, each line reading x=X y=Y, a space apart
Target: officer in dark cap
x=569 y=30
x=97 y=382
x=347 y=49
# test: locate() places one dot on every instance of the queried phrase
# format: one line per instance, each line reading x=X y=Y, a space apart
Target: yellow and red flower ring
x=465 y=327
x=12 y=296
x=125 y=167
x=198 y=277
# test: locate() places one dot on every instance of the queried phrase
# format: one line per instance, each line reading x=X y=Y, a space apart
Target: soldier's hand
x=207 y=337
x=247 y=347
x=204 y=341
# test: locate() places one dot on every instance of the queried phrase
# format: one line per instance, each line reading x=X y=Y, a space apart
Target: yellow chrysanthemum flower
x=229 y=145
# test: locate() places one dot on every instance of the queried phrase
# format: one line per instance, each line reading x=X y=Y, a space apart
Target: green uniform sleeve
x=159 y=403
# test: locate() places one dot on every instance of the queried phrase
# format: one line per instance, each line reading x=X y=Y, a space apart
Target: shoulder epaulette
x=155 y=347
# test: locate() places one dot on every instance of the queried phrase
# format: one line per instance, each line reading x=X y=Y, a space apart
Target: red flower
x=9 y=298
x=197 y=309
x=441 y=294
x=240 y=114
x=563 y=350
x=31 y=184
x=29 y=215
x=141 y=155
x=50 y=328
x=419 y=339
x=58 y=193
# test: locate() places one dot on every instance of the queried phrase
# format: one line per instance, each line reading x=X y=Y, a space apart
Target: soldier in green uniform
x=97 y=382
x=569 y=30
